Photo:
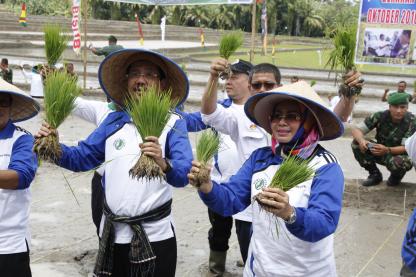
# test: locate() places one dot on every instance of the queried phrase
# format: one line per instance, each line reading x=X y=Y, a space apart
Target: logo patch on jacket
x=119 y=143
x=260 y=183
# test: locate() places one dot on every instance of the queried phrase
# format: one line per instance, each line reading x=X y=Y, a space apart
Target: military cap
x=398 y=98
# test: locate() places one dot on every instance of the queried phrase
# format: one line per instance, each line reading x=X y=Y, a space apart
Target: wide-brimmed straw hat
x=113 y=70
x=23 y=106
x=259 y=108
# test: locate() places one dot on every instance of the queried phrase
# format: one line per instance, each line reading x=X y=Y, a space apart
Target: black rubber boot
x=394 y=180
x=374 y=178
x=216 y=263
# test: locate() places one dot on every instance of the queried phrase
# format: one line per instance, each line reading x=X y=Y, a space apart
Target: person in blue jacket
x=237 y=89
x=307 y=215
x=137 y=237
x=18 y=166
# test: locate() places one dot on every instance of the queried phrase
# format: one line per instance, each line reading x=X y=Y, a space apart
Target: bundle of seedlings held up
x=55 y=44
x=292 y=172
x=229 y=43
x=59 y=99
x=208 y=145
x=342 y=56
x=150 y=112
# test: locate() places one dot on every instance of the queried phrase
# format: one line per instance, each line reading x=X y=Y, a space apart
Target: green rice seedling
x=150 y=111
x=291 y=173
x=55 y=43
x=343 y=54
x=60 y=93
x=208 y=145
x=313 y=82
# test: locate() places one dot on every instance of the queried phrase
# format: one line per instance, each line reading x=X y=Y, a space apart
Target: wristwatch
x=292 y=217
x=168 y=166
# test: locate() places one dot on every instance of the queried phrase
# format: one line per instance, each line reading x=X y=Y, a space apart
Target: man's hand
x=152 y=148
x=204 y=185
x=362 y=143
x=379 y=150
x=276 y=201
x=217 y=66
x=352 y=84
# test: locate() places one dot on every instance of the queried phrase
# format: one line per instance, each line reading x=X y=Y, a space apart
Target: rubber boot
x=394 y=180
x=374 y=178
x=216 y=263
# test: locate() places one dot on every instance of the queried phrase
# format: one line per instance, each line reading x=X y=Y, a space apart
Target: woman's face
x=286 y=120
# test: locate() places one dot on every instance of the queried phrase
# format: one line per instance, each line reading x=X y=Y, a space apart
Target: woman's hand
x=203 y=184
x=45 y=130
x=275 y=201
x=152 y=148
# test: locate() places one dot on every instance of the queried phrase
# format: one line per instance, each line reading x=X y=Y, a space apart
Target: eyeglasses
x=145 y=75
x=266 y=85
x=289 y=117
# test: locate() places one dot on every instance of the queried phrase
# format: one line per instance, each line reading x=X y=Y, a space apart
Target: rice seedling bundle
x=229 y=43
x=55 y=44
x=60 y=92
x=343 y=54
x=207 y=146
x=150 y=112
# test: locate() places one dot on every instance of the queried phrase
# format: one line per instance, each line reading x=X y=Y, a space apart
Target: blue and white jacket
x=226 y=161
x=116 y=143
x=304 y=248
x=16 y=154
x=409 y=243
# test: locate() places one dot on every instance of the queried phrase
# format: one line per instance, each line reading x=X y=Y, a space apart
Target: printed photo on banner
x=386 y=32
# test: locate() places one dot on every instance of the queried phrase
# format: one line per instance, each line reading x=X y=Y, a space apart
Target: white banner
x=76 y=17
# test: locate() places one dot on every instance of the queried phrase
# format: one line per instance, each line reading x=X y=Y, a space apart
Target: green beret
x=398 y=98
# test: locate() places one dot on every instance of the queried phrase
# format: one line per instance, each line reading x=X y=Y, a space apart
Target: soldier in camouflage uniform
x=393 y=126
x=5 y=72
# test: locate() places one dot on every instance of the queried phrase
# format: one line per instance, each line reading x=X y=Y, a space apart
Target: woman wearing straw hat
x=137 y=235
x=18 y=165
x=307 y=214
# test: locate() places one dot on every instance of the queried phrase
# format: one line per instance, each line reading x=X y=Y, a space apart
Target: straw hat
x=113 y=70
x=260 y=107
x=23 y=106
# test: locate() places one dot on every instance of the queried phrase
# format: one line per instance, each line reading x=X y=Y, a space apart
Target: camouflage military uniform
x=389 y=134
x=7 y=75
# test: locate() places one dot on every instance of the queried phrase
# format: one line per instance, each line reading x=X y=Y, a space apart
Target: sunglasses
x=289 y=117
x=266 y=85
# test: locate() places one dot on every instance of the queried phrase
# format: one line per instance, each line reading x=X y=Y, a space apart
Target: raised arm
x=346 y=103
x=209 y=99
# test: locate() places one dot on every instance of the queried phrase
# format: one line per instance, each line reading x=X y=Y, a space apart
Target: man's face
x=401 y=87
x=404 y=39
x=397 y=112
x=237 y=86
x=70 y=68
x=143 y=74
x=5 y=104
x=262 y=81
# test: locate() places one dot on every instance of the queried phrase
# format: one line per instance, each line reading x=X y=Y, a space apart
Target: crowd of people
x=261 y=123
x=396 y=46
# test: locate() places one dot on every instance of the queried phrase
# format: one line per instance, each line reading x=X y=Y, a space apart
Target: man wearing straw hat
x=137 y=234
x=18 y=166
x=392 y=126
x=292 y=229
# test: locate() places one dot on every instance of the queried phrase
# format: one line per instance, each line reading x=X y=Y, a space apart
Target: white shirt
x=36 y=86
x=14 y=207
x=410 y=145
x=94 y=112
x=246 y=135
x=127 y=196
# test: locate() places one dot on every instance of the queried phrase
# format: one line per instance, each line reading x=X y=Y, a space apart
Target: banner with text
x=183 y=2
x=76 y=17
x=386 y=32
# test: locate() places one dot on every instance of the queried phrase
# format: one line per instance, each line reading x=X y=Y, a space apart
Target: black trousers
x=220 y=231
x=243 y=230
x=15 y=265
x=97 y=200
x=166 y=255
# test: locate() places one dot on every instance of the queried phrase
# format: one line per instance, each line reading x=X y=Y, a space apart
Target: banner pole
x=253 y=30
x=85 y=9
